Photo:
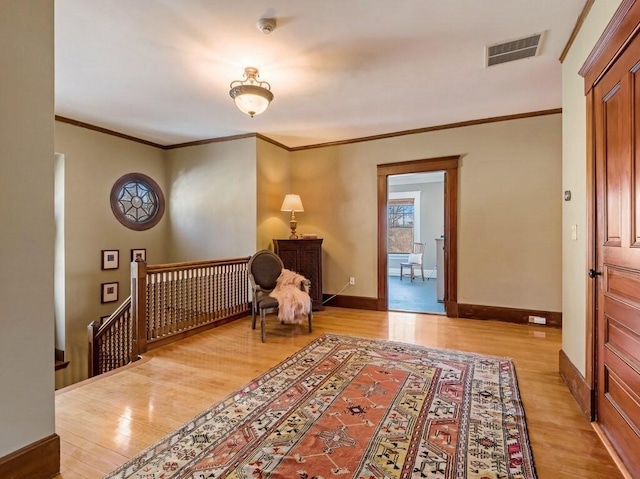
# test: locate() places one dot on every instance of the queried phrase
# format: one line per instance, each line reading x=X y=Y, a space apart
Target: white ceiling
x=160 y=70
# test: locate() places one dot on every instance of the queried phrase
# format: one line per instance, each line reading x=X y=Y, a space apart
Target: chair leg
x=262 y=325
x=253 y=316
x=422 y=271
x=311 y=321
x=412 y=273
x=400 y=272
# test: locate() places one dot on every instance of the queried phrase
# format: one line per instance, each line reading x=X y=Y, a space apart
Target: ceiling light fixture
x=251 y=95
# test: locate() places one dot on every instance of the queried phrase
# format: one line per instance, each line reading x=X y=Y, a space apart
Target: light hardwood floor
x=107 y=420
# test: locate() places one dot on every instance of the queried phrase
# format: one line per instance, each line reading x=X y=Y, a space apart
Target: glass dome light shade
x=251 y=99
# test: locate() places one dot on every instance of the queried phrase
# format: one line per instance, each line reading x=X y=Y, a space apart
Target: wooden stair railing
x=169 y=302
x=60 y=363
x=111 y=343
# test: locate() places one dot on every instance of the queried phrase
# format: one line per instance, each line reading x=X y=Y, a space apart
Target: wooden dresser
x=304 y=257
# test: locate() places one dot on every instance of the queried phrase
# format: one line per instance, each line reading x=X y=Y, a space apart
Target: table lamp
x=292 y=203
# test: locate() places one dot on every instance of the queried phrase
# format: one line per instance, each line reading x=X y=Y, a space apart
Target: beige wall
x=26 y=209
x=212 y=200
x=574 y=212
x=337 y=187
x=509 y=251
x=211 y=196
x=93 y=162
x=274 y=182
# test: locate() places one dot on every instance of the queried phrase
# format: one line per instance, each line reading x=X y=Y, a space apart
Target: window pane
x=400 y=221
x=400 y=216
x=400 y=240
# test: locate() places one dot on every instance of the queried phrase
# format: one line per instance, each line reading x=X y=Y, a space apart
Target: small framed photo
x=139 y=253
x=109 y=292
x=103 y=319
x=110 y=259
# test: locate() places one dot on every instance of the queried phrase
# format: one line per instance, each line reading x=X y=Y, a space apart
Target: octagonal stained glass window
x=137 y=201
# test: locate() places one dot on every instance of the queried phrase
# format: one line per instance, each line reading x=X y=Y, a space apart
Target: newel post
x=139 y=307
x=94 y=350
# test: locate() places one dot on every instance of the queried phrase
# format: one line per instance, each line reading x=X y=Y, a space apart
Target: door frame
x=448 y=164
x=617 y=35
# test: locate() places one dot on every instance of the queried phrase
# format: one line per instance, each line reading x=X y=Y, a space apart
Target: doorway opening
x=59 y=252
x=415 y=236
x=448 y=168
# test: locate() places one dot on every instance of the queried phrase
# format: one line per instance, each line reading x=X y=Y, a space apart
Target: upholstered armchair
x=265 y=268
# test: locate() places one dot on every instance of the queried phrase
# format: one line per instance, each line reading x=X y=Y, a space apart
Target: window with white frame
x=403 y=221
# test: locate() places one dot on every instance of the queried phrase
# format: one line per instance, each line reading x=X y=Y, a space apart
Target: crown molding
x=273 y=142
x=576 y=29
x=260 y=136
x=106 y=131
x=210 y=140
x=614 y=39
x=431 y=128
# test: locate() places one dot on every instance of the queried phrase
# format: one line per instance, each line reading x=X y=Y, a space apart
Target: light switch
x=574 y=232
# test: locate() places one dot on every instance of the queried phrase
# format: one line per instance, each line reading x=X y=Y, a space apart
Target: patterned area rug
x=349 y=407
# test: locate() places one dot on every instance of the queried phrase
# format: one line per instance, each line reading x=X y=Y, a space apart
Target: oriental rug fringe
x=346 y=407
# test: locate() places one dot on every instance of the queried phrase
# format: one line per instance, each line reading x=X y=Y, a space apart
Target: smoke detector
x=267 y=25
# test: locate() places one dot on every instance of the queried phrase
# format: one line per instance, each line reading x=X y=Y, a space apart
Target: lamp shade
x=292 y=203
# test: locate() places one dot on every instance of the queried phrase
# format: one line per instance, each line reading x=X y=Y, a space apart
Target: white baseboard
x=428 y=273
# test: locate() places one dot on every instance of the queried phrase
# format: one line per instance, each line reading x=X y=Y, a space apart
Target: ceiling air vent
x=514 y=50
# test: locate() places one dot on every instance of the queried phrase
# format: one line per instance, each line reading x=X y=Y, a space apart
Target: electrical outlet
x=352 y=280
x=537 y=320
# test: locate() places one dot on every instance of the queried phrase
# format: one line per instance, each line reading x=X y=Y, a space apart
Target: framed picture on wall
x=139 y=252
x=110 y=259
x=110 y=292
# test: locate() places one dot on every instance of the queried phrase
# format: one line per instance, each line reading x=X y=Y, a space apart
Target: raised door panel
x=635 y=176
x=614 y=159
x=618 y=258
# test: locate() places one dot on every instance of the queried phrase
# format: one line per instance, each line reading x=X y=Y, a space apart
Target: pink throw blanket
x=292 y=293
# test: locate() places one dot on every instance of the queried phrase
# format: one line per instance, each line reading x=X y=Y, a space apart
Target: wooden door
x=617 y=169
